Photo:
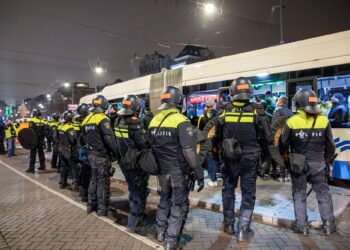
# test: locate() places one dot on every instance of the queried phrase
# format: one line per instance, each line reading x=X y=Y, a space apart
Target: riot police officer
x=85 y=170
x=102 y=148
x=53 y=126
x=238 y=130
x=173 y=141
x=308 y=136
x=40 y=128
x=67 y=148
x=131 y=136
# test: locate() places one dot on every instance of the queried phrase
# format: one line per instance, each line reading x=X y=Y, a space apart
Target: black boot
x=170 y=245
x=329 y=227
x=30 y=170
x=245 y=234
x=300 y=230
x=229 y=225
x=102 y=211
x=63 y=185
x=42 y=168
x=160 y=237
x=90 y=208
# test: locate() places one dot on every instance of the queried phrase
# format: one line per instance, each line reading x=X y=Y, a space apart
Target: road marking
x=105 y=219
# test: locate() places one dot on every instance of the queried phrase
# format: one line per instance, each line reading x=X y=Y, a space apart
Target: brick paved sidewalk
x=33 y=218
x=202 y=230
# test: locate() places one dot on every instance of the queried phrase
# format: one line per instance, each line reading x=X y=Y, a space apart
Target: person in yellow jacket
x=10 y=134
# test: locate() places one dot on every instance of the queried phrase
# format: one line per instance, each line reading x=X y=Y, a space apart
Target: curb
x=257 y=217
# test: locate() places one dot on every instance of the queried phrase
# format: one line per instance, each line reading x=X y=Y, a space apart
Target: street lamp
x=281 y=9
x=48 y=96
x=209 y=8
x=98 y=67
x=98 y=70
x=67 y=85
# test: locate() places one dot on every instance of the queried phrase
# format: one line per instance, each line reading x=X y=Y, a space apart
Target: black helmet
x=55 y=116
x=68 y=116
x=83 y=109
x=171 y=97
x=306 y=100
x=131 y=105
x=100 y=102
x=241 y=89
x=36 y=113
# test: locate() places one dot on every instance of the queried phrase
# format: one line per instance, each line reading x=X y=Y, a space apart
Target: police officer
x=40 y=128
x=308 y=136
x=11 y=134
x=53 y=126
x=131 y=135
x=67 y=148
x=85 y=170
x=102 y=148
x=237 y=132
x=173 y=141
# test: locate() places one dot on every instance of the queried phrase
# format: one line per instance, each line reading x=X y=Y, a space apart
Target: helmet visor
x=242 y=96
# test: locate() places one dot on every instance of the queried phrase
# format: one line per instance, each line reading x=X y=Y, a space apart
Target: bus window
x=195 y=102
x=336 y=88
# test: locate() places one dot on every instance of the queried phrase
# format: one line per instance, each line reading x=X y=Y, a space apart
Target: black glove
x=200 y=183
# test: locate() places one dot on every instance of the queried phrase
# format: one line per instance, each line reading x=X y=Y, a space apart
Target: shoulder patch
x=107 y=125
x=189 y=131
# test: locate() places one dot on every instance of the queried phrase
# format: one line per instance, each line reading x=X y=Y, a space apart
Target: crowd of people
x=235 y=137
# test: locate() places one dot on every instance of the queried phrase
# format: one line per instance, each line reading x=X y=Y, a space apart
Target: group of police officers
x=86 y=147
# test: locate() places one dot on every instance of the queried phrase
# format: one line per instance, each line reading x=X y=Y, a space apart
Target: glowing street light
x=98 y=67
x=209 y=8
x=66 y=84
x=48 y=96
x=98 y=70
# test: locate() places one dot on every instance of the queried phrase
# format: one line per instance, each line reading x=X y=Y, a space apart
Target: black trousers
x=99 y=187
x=85 y=177
x=138 y=191
x=2 y=146
x=173 y=205
x=55 y=158
x=66 y=167
x=49 y=143
x=40 y=150
x=316 y=175
x=246 y=169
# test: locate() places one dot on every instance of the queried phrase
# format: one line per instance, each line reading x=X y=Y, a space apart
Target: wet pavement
x=34 y=214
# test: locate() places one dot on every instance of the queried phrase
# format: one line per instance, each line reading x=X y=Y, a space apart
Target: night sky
x=46 y=42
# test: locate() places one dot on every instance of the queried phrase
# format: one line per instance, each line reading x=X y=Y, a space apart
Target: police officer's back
x=102 y=148
x=40 y=128
x=238 y=130
x=308 y=136
x=131 y=137
x=173 y=142
x=67 y=147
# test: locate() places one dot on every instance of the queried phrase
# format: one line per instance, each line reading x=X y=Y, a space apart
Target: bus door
x=294 y=85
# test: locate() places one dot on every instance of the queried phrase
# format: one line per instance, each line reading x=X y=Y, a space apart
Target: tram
x=321 y=64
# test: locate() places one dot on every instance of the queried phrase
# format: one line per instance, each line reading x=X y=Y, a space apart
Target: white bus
x=321 y=64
